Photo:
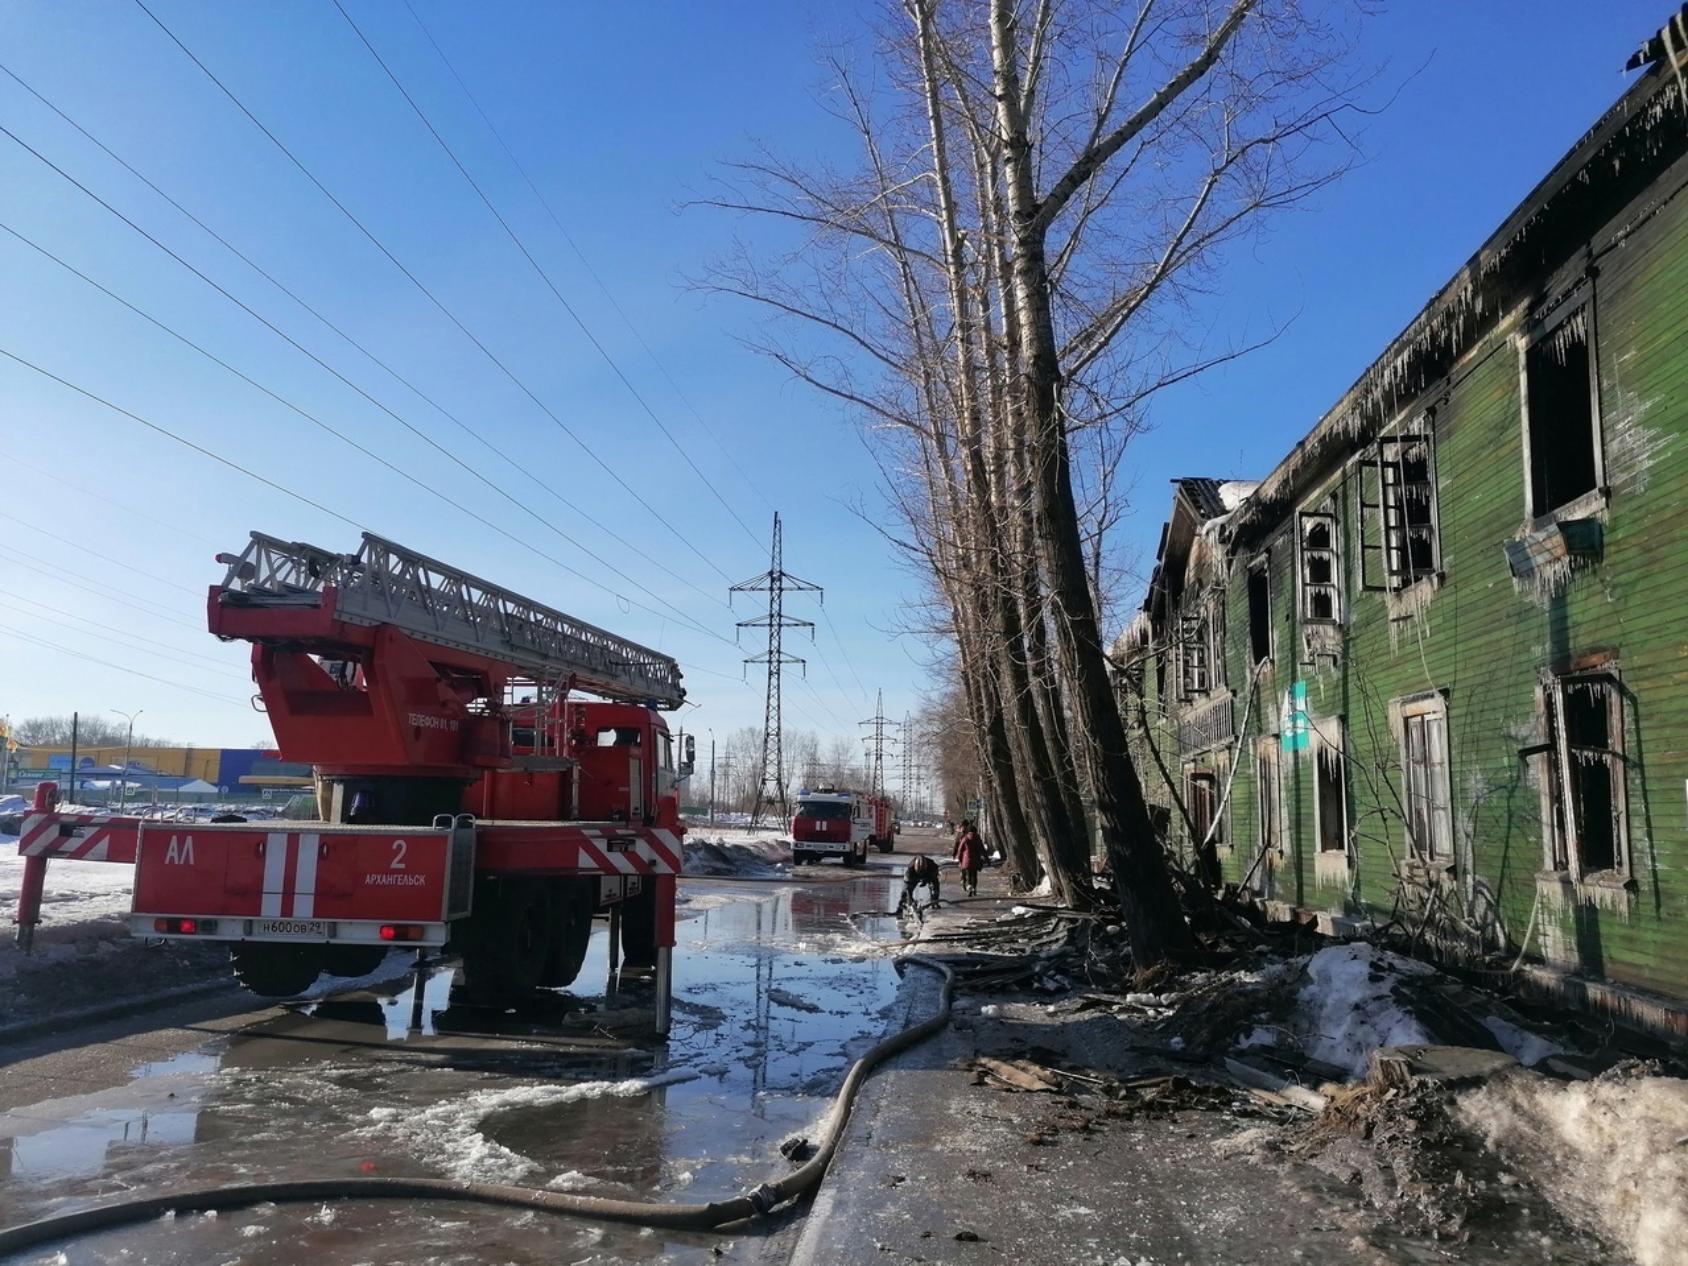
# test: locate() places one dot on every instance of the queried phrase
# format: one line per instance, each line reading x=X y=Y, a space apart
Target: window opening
x=1331 y=792
x=1259 y=613
x=619 y=736
x=1194 y=653
x=1267 y=794
x=1561 y=419
x=1319 y=595
x=1425 y=760
x=1407 y=510
x=1586 y=793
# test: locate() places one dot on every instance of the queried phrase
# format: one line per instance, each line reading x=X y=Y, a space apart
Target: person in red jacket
x=970 y=856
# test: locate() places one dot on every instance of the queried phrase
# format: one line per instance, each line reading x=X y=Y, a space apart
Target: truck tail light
x=183 y=927
x=402 y=932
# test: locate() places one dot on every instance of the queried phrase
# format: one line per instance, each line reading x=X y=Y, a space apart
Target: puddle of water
x=776 y=991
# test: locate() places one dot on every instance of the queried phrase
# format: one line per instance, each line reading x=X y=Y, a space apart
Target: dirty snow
x=1348 y=1008
x=1529 y=1049
x=447 y=1134
x=760 y=855
x=1614 y=1150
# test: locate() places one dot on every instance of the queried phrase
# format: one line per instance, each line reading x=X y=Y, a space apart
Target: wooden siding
x=1483 y=641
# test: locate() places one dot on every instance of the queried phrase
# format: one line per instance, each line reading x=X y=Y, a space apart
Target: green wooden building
x=1432 y=671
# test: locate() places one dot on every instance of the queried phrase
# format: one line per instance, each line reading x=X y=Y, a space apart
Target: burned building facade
x=1431 y=673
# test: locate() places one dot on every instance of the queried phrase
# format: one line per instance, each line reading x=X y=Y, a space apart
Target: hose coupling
x=764 y=1197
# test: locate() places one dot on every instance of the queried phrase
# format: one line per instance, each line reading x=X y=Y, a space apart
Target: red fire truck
x=841 y=824
x=467 y=800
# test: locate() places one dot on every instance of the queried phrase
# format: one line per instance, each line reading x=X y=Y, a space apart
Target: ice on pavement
x=1614 y=1149
x=447 y=1134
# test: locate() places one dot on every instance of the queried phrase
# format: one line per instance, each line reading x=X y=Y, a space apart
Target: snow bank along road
x=778 y=986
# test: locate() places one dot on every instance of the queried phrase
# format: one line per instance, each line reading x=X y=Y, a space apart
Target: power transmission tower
x=776 y=582
x=876 y=741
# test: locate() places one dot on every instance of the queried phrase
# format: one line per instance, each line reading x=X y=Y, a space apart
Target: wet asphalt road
x=778 y=985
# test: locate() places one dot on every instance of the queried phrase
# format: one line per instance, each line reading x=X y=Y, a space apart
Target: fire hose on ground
x=761 y=1199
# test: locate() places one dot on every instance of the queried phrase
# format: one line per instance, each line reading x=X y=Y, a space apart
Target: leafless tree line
x=998 y=284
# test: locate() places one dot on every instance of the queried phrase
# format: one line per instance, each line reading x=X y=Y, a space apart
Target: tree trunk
x=1147 y=899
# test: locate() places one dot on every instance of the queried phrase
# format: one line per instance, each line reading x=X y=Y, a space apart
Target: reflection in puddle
x=775 y=993
x=408 y=1015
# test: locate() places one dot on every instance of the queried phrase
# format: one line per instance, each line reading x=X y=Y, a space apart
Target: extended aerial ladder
x=464 y=795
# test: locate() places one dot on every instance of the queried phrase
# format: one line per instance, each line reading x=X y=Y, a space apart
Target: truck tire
x=885 y=846
x=276 y=971
x=354 y=960
x=572 y=904
x=508 y=941
x=638 y=929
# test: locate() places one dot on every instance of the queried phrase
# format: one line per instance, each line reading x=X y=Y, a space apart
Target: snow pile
x=84 y=903
x=1613 y=1150
x=748 y=856
x=1350 y=1005
x=447 y=1134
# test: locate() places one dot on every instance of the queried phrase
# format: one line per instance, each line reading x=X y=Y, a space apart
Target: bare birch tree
x=998 y=287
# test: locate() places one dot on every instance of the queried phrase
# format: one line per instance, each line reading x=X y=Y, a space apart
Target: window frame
x=1260 y=574
x=1560 y=834
x=1539 y=331
x=1209 y=779
x=1304 y=587
x=1422 y=710
x=1325 y=748
x=1268 y=773
x=1387 y=453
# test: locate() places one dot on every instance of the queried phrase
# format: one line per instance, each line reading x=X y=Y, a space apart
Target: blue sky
x=620 y=113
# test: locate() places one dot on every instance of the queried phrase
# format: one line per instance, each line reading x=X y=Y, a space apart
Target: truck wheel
x=276 y=971
x=354 y=960
x=572 y=903
x=508 y=941
x=638 y=929
x=885 y=846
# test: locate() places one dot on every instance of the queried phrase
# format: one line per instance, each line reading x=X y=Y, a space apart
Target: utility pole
x=776 y=582
x=905 y=792
x=876 y=741
x=711 y=777
x=128 y=750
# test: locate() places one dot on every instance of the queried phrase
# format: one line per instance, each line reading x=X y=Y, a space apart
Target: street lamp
x=128 y=747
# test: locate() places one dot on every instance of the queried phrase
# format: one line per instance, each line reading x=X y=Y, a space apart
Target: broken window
x=1320 y=593
x=1207 y=827
x=1202 y=649
x=1424 y=761
x=1267 y=798
x=1561 y=415
x=1585 y=789
x=1260 y=612
x=1330 y=800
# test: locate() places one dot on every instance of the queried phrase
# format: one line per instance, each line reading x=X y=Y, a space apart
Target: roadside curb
x=84 y=1016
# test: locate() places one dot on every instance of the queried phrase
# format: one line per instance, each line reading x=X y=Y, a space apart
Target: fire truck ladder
x=385 y=583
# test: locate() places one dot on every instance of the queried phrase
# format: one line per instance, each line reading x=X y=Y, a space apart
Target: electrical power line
x=284 y=490
x=585 y=262
x=427 y=293
x=11 y=459
x=143 y=605
x=129 y=641
x=122 y=668
x=312 y=418
x=128 y=635
x=524 y=470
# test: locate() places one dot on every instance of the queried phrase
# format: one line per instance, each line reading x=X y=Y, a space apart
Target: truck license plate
x=306 y=929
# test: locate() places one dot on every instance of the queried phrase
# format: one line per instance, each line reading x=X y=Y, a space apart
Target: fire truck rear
x=467 y=799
